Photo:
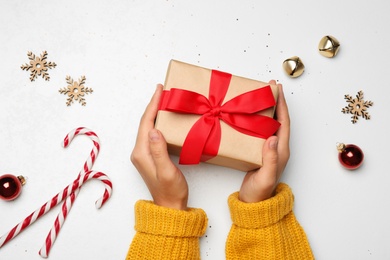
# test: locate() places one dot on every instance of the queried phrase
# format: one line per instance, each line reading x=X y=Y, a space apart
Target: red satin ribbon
x=203 y=139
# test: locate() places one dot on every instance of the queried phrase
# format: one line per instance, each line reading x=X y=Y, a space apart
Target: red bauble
x=350 y=156
x=10 y=186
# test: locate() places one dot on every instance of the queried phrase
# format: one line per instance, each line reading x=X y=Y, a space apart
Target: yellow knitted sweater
x=263 y=230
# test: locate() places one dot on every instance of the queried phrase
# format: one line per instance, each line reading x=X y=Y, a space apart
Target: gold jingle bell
x=329 y=46
x=293 y=67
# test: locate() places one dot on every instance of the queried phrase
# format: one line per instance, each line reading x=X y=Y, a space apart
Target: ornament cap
x=340 y=147
x=22 y=179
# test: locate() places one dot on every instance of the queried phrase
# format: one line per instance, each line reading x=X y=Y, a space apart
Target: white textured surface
x=123 y=49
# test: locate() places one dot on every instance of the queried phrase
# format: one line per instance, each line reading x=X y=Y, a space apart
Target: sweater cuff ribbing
x=264 y=213
x=157 y=220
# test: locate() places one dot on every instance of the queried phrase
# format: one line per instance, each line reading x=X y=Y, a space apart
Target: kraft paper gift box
x=198 y=101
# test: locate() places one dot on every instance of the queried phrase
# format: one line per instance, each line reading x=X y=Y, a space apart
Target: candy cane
x=59 y=221
x=76 y=184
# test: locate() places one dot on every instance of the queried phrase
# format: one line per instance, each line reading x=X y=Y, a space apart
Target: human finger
x=270 y=156
x=158 y=149
x=150 y=113
x=140 y=155
x=272 y=82
x=283 y=117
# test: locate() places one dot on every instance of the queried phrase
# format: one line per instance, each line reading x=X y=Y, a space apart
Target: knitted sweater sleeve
x=267 y=229
x=164 y=233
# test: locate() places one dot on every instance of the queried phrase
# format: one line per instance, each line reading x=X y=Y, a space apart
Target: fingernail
x=273 y=144
x=153 y=135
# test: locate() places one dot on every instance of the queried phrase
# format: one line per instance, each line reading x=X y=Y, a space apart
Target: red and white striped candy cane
x=76 y=184
x=59 y=221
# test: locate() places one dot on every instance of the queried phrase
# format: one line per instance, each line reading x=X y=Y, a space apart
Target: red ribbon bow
x=203 y=139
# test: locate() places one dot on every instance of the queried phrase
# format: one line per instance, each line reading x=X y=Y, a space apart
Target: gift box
x=211 y=116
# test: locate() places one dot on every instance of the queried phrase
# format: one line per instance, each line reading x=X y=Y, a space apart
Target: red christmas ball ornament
x=350 y=156
x=11 y=186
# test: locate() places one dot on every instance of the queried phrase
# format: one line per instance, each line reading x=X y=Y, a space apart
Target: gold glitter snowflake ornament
x=357 y=107
x=75 y=90
x=38 y=66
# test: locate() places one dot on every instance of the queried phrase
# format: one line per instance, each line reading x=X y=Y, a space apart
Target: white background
x=123 y=48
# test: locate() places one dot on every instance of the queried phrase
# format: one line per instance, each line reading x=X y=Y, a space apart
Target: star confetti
x=75 y=90
x=357 y=107
x=38 y=66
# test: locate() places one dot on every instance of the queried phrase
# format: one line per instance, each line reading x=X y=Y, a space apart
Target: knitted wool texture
x=164 y=233
x=267 y=229
x=263 y=230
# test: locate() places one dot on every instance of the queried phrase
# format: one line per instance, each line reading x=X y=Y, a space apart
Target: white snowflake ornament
x=357 y=107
